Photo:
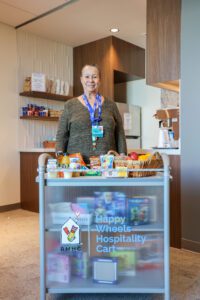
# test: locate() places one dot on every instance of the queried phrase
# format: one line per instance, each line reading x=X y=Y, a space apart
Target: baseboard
x=190 y=245
x=10 y=207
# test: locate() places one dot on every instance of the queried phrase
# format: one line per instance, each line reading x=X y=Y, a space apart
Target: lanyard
x=92 y=110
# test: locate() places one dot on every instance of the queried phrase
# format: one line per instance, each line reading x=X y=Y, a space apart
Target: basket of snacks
x=144 y=161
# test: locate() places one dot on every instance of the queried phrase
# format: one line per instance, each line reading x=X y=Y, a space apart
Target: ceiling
x=79 y=21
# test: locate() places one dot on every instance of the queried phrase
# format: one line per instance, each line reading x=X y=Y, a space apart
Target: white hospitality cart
x=104 y=235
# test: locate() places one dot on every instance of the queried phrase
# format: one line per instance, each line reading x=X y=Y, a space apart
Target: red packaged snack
x=95 y=162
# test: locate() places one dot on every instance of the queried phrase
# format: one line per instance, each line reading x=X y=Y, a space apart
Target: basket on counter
x=154 y=161
x=49 y=144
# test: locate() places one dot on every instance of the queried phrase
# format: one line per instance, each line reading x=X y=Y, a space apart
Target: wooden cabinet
x=163 y=43
x=175 y=202
x=28 y=187
x=118 y=60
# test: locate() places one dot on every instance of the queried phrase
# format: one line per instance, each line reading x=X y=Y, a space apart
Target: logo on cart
x=70 y=234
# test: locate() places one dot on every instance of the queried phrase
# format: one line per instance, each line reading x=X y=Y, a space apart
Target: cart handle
x=42 y=159
x=165 y=159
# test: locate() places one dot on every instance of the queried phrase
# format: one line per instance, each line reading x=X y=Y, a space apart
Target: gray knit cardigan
x=74 y=130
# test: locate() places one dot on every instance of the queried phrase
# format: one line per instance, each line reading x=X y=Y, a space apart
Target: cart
x=104 y=235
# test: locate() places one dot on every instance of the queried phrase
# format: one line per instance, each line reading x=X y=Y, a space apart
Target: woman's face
x=90 y=79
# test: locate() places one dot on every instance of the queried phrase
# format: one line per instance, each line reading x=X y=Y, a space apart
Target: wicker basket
x=153 y=162
x=49 y=144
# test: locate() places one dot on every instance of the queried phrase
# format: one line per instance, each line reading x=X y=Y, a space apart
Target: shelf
x=95 y=180
x=154 y=227
x=149 y=281
x=39 y=118
x=44 y=95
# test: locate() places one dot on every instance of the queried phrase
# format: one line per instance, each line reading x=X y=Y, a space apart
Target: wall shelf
x=44 y=95
x=39 y=118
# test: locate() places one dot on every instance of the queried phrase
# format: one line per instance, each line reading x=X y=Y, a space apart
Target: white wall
x=21 y=54
x=190 y=137
x=138 y=93
x=36 y=54
x=9 y=155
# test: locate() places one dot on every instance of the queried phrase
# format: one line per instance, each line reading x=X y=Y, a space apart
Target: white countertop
x=168 y=151
x=42 y=150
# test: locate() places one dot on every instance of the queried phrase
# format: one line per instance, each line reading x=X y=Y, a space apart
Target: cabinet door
x=163 y=43
x=175 y=202
x=28 y=186
x=118 y=239
x=29 y=191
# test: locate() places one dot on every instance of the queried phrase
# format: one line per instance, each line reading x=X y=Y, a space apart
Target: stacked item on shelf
x=61 y=267
x=39 y=111
x=58 y=268
x=150 y=254
x=126 y=261
x=61 y=211
x=39 y=82
x=35 y=110
x=55 y=113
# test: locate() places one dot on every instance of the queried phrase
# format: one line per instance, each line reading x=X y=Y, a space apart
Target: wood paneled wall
x=110 y=54
x=98 y=52
x=163 y=41
x=128 y=58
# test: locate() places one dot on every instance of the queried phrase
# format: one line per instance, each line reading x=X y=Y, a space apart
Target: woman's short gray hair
x=91 y=65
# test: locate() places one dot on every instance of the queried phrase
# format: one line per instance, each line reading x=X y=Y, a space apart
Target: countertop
x=168 y=151
x=42 y=150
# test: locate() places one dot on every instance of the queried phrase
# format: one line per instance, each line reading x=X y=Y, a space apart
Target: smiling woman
x=90 y=124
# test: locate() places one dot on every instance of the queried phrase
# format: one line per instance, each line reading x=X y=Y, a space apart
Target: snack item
x=107 y=161
x=64 y=161
x=67 y=174
x=95 y=162
x=138 y=211
x=78 y=155
x=122 y=161
x=144 y=156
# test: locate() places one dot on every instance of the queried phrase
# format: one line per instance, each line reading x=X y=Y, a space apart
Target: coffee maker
x=168 y=136
x=163 y=136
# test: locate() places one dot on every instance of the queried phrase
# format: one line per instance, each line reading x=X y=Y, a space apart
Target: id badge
x=97 y=131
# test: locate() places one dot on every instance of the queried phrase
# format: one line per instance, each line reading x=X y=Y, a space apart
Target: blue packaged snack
x=80 y=264
x=109 y=204
x=138 y=211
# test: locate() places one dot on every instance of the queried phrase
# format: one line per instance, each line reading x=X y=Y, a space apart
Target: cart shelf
x=158 y=227
x=94 y=180
x=148 y=281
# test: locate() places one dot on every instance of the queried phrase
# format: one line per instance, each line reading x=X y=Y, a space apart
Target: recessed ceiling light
x=114 y=30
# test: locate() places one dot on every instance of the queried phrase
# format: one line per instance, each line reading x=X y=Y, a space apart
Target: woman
x=90 y=123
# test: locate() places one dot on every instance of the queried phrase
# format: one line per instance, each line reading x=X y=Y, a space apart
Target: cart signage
x=70 y=236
